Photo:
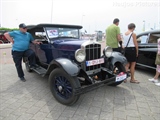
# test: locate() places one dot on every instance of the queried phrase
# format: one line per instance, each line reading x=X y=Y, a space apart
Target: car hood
x=71 y=44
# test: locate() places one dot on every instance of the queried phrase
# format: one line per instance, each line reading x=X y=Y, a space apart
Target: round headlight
x=107 y=51
x=80 y=55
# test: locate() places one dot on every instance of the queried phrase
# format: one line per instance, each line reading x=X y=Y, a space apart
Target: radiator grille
x=93 y=51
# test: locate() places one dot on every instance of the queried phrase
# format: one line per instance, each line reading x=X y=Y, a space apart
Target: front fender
x=118 y=57
x=70 y=67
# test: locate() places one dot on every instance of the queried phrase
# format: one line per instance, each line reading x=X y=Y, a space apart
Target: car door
x=147 y=45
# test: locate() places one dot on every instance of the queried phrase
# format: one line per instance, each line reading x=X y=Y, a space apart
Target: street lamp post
x=17 y=21
x=82 y=20
x=51 y=10
x=143 y=25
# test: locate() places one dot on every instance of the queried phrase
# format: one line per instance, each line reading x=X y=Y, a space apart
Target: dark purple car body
x=74 y=65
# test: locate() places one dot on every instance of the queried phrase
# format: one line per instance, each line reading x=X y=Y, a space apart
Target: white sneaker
x=158 y=84
x=153 y=80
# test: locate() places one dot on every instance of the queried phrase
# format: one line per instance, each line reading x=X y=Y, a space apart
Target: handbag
x=157 y=61
x=124 y=49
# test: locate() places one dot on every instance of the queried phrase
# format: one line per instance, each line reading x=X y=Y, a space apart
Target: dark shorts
x=130 y=54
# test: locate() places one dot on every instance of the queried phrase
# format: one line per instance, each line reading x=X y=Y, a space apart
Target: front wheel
x=63 y=86
x=118 y=68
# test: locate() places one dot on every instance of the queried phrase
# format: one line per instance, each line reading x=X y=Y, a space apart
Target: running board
x=145 y=66
x=40 y=70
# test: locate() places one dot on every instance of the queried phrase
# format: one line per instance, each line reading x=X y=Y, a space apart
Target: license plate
x=95 y=62
x=121 y=77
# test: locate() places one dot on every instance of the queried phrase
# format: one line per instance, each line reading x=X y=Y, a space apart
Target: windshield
x=55 y=32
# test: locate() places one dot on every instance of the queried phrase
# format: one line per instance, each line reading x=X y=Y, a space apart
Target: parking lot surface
x=32 y=100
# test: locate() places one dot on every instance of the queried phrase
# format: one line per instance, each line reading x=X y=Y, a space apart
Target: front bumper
x=98 y=84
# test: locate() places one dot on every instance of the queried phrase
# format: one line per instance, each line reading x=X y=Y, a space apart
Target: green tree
x=7 y=29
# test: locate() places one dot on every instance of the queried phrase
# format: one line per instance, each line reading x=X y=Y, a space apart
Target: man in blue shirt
x=20 y=40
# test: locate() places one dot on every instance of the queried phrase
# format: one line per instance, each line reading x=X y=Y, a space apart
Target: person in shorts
x=155 y=78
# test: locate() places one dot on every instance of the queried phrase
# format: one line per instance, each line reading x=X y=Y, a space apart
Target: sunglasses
x=25 y=28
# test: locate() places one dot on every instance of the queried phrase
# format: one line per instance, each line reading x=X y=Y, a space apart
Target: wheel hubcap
x=60 y=88
x=63 y=87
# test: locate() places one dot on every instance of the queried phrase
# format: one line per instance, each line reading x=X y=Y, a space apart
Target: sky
x=91 y=14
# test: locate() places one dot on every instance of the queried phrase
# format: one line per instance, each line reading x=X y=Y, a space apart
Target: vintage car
x=73 y=65
x=147 y=43
x=3 y=39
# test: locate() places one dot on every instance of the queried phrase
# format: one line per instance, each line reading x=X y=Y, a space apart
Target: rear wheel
x=118 y=68
x=63 y=86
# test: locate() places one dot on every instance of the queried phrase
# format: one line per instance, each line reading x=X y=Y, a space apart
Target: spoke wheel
x=63 y=86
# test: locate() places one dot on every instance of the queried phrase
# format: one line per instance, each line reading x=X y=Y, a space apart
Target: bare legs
x=132 y=70
x=155 y=79
x=127 y=67
x=156 y=75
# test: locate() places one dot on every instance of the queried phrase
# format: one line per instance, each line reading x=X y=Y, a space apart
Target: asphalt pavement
x=32 y=100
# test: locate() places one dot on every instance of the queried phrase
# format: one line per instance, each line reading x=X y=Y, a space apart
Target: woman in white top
x=131 y=50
